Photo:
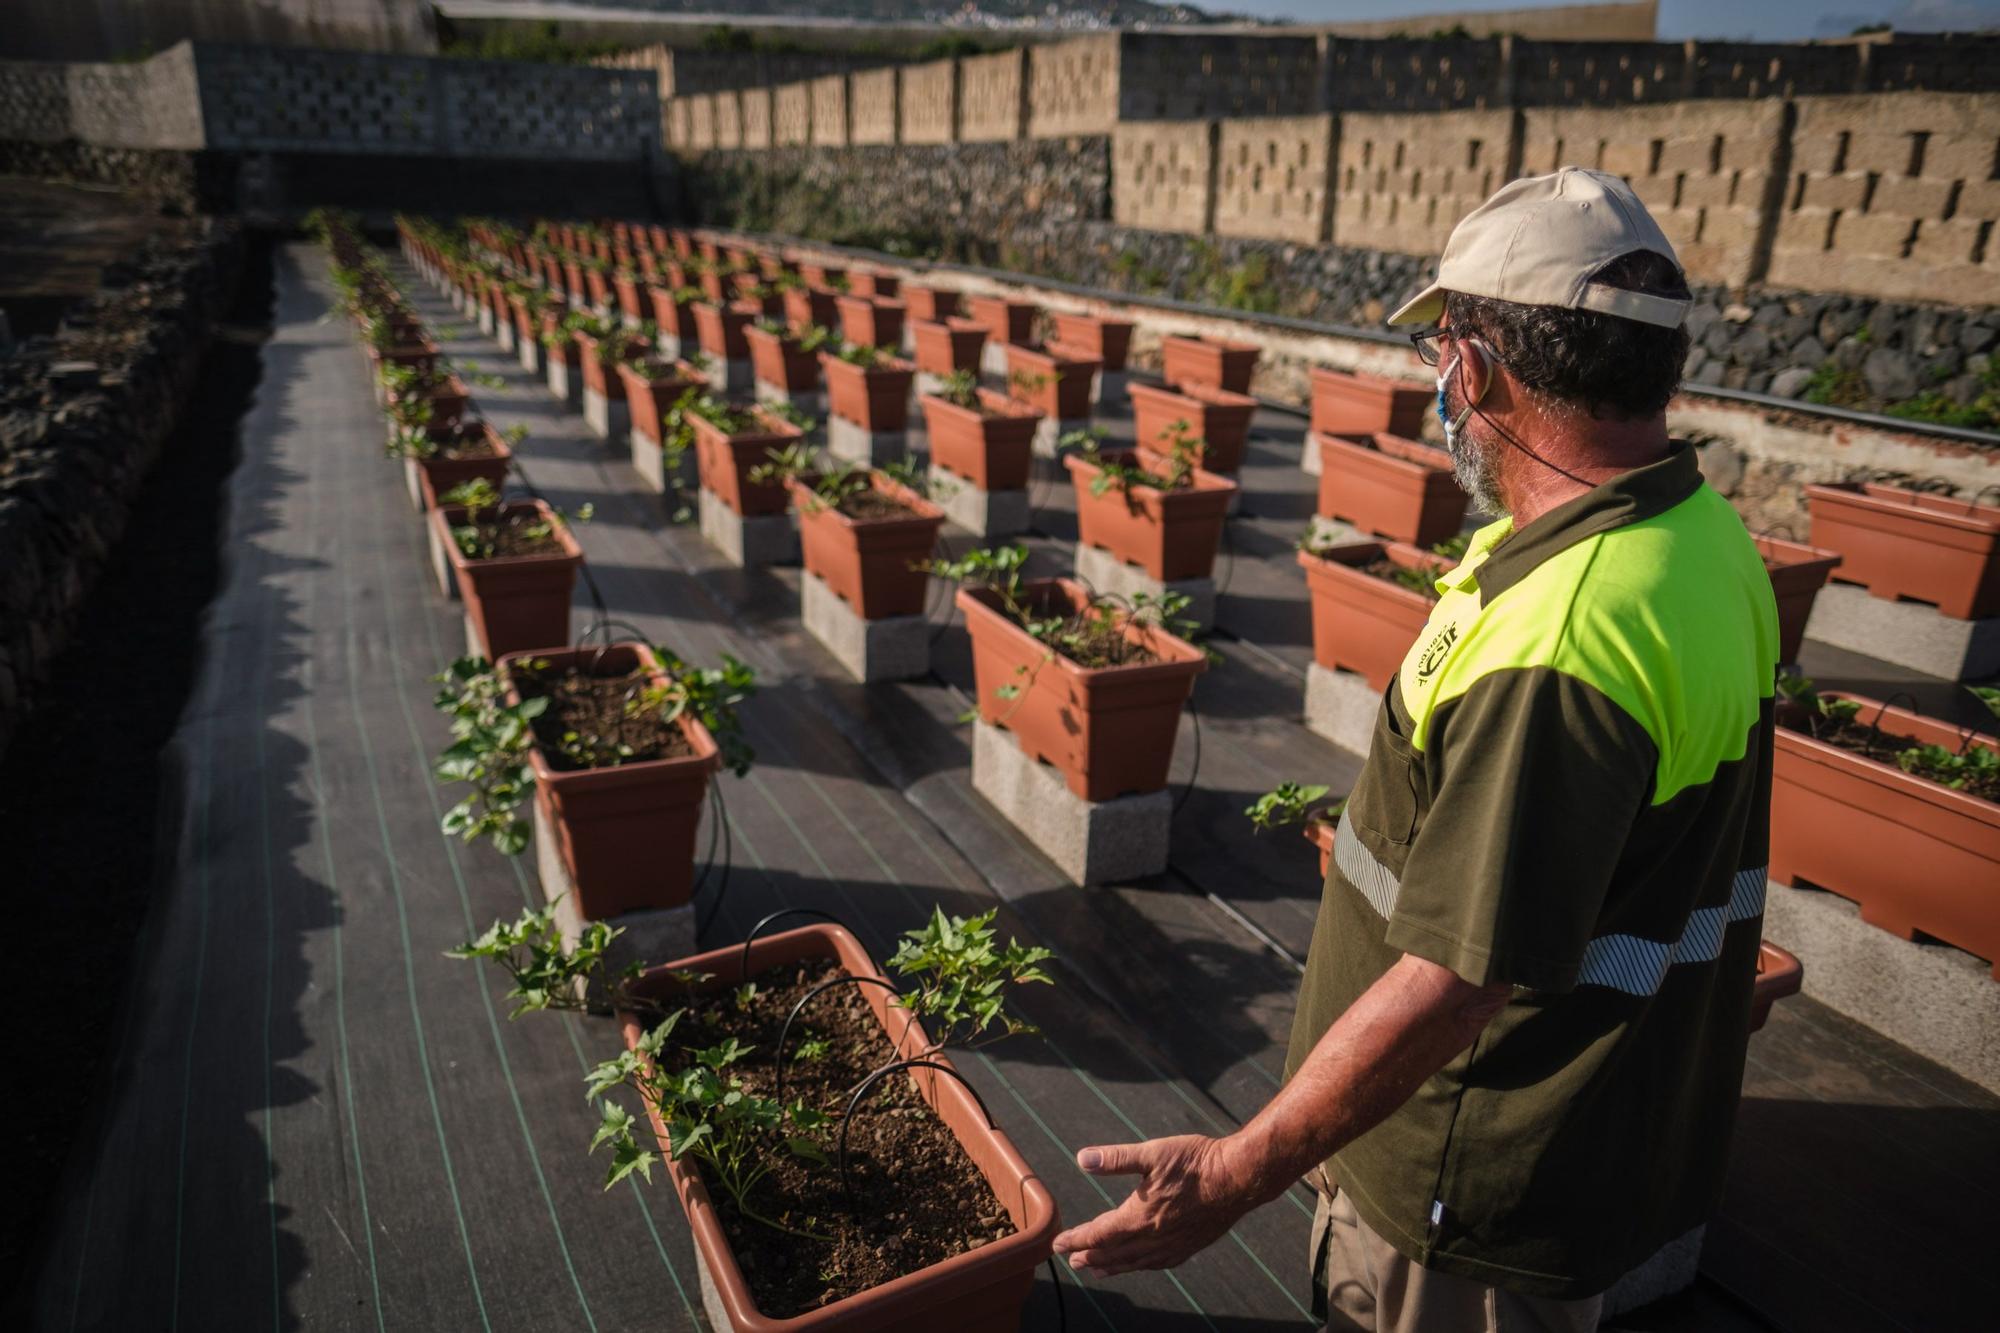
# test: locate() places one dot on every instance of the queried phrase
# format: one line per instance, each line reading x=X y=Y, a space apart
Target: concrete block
x=1909 y=634
x=630 y=323
x=993 y=358
x=924 y=382
x=1106 y=574
x=731 y=375
x=986 y=513
x=651 y=935
x=1050 y=430
x=897 y=648
x=1324 y=531
x=483 y=314
x=562 y=384
x=503 y=333
x=711 y=1296
x=441 y=563
x=1341 y=706
x=669 y=345
x=650 y=462
x=608 y=418
x=1092 y=842
x=867 y=448
x=812 y=403
x=1672 y=1268
x=1310 y=462
x=474 y=645
x=767 y=539
x=529 y=354
x=413 y=482
x=1939 y=1001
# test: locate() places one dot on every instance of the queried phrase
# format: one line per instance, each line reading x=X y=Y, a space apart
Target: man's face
x=1473 y=452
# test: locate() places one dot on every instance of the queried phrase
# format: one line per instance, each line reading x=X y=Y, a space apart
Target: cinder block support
x=413 y=481
x=897 y=648
x=1341 y=706
x=766 y=539
x=562 y=384
x=669 y=345
x=529 y=354
x=608 y=418
x=731 y=375
x=1108 y=391
x=650 y=462
x=1909 y=634
x=1092 y=842
x=1107 y=575
x=1672 y=1269
x=852 y=443
x=993 y=358
x=652 y=935
x=483 y=314
x=503 y=333
x=985 y=513
x=1310 y=462
x=441 y=564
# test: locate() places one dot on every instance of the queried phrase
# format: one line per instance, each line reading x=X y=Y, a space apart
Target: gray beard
x=1472 y=467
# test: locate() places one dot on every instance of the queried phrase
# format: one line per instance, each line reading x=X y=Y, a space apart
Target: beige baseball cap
x=1539 y=239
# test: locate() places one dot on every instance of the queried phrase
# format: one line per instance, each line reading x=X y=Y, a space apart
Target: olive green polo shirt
x=1568 y=792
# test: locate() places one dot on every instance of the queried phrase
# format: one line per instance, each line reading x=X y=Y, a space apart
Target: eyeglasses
x=1429 y=344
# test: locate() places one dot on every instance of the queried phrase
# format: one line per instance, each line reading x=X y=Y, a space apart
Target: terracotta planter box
x=933 y=304
x=599 y=287
x=726 y=462
x=1110 y=730
x=1904 y=545
x=448 y=403
x=1344 y=404
x=993 y=452
x=1361 y=623
x=829 y=276
x=674 y=318
x=1915 y=855
x=419 y=354
x=1108 y=340
x=807 y=307
x=1210 y=361
x=1005 y=321
x=627 y=835
x=868 y=562
x=980 y=1291
x=1390 y=486
x=782 y=362
x=720 y=330
x=1797 y=573
x=948 y=347
x=715 y=286
x=1172 y=535
x=868 y=282
x=516 y=603
x=441 y=475
x=1054 y=378
x=1219 y=418
x=652 y=387
x=871 y=321
x=1778 y=971
x=876 y=398
x=772 y=266
x=525 y=323
x=597 y=376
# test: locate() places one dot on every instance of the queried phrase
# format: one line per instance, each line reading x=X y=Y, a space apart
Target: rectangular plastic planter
x=931 y=304
x=1797 y=573
x=867 y=563
x=806 y=307
x=993 y=450
x=626 y=835
x=876 y=397
x=948 y=347
x=1218 y=418
x=726 y=462
x=980 y=1291
x=1349 y=404
x=652 y=386
x=1005 y=320
x=1054 y=378
x=1361 y=623
x=1109 y=730
x=872 y=321
x=520 y=602
x=1391 y=487
x=1913 y=854
x=781 y=362
x=441 y=475
x=1108 y=340
x=1904 y=544
x=1211 y=361
x=719 y=329
x=1171 y=534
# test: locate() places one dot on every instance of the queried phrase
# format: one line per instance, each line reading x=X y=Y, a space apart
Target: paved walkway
x=320 y=1122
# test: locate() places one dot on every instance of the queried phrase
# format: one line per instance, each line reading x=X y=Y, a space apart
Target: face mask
x=1452 y=426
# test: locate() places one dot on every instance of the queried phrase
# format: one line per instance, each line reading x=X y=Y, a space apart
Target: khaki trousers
x=1367 y=1287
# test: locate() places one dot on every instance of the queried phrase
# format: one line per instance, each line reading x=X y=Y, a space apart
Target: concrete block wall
x=1404 y=74
x=927 y=102
x=993 y=97
x=829 y=111
x=1895 y=196
x=791 y=114
x=1163 y=76
x=873 y=115
x=1162 y=175
x=1271 y=177
x=1706 y=171
x=728 y=119
x=676 y=120
x=1768 y=69
x=1073 y=87
x=756 y=105
x=701 y=122
x=1405 y=180
x=1596 y=73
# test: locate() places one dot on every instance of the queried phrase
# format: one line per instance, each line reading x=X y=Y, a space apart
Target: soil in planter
x=455 y=448
x=918 y=1199
x=871 y=504
x=513 y=535
x=1858 y=737
x=598 y=707
x=1421 y=580
x=1089 y=641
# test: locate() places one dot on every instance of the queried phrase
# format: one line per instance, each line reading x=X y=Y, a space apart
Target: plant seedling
x=1286 y=804
x=954 y=974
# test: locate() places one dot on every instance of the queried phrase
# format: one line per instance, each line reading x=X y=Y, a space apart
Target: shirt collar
x=1498 y=557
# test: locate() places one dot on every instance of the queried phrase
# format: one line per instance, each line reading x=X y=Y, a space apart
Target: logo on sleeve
x=1434 y=653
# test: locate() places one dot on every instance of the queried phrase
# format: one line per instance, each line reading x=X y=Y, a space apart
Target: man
x=1520 y=1035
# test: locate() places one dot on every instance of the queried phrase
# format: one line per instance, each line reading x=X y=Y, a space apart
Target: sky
x=1757 y=20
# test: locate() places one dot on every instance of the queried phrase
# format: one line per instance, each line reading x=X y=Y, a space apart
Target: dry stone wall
x=1271 y=178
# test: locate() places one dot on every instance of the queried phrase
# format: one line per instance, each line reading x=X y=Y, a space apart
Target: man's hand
x=1189 y=1194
